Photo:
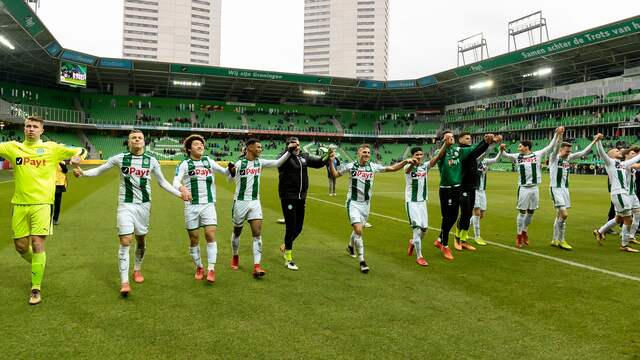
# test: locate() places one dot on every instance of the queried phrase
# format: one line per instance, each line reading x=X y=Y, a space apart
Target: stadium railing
x=548 y=106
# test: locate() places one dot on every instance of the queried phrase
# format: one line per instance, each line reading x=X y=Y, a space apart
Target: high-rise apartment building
x=181 y=31
x=346 y=38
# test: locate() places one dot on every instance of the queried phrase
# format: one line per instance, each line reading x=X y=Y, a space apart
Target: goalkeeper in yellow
x=34 y=162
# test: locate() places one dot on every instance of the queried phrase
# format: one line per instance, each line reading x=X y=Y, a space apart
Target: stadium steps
x=245 y=122
x=337 y=124
x=93 y=152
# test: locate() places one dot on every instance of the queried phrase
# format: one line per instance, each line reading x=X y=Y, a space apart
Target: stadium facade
x=588 y=82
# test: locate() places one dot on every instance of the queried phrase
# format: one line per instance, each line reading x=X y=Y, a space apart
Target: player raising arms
x=468 y=187
x=246 y=200
x=134 y=202
x=529 y=165
x=559 y=166
x=451 y=194
x=34 y=162
x=195 y=180
x=622 y=200
x=361 y=174
x=415 y=196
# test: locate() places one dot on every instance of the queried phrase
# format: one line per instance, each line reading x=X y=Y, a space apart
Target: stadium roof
x=596 y=53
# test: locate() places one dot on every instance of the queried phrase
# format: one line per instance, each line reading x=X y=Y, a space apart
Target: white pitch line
x=528 y=252
x=6 y=181
x=567 y=262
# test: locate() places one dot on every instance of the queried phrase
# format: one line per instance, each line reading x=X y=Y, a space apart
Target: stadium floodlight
x=186 y=83
x=476 y=45
x=4 y=41
x=539 y=73
x=481 y=85
x=313 y=92
x=528 y=26
x=543 y=71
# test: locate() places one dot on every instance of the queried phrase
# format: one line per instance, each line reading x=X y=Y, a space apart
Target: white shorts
x=635 y=203
x=357 y=211
x=417 y=213
x=560 y=197
x=622 y=204
x=133 y=218
x=481 y=200
x=200 y=215
x=528 y=198
x=246 y=210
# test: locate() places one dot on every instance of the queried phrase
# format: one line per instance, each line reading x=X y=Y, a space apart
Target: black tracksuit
x=292 y=188
x=452 y=195
x=468 y=190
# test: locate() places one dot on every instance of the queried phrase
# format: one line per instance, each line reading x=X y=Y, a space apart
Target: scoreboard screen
x=73 y=74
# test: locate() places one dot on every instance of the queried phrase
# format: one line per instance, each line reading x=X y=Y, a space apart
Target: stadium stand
x=230 y=109
x=541 y=112
x=389 y=153
x=39 y=96
x=64 y=137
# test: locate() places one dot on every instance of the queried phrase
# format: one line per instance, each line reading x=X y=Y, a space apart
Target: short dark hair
x=464 y=133
x=364 y=146
x=447 y=132
x=251 y=141
x=566 y=144
x=189 y=140
x=291 y=138
x=415 y=149
x=136 y=131
x=526 y=143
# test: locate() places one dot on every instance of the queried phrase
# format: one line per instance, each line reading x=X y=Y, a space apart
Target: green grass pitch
x=73 y=82
x=494 y=303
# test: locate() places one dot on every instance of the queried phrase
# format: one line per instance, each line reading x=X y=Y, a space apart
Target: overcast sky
x=267 y=34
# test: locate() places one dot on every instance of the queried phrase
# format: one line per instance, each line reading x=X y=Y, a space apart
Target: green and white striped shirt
x=530 y=165
x=135 y=177
x=483 y=168
x=198 y=177
x=559 y=167
x=361 y=179
x=416 y=183
x=248 y=176
x=616 y=170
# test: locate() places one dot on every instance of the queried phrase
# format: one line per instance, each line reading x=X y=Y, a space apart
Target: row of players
x=194 y=183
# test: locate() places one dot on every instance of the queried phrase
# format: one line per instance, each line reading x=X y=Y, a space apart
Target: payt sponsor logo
x=200 y=172
x=37 y=163
x=252 y=171
x=529 y=160
x=364 y=175
x=133 y=171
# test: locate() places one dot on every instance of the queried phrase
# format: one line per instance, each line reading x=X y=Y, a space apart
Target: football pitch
x=497 y=302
